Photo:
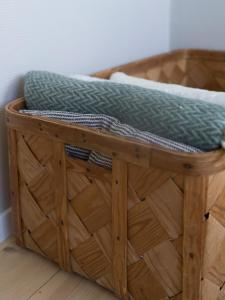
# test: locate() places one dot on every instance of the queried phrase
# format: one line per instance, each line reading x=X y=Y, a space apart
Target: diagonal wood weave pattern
x=202 y=74
x=155 y=223
x=155 y=201
x=214 y=258
x=37 y=194
x=193 y=68
x=67 y=210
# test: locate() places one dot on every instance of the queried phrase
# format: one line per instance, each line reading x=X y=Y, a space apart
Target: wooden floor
x=24 y=275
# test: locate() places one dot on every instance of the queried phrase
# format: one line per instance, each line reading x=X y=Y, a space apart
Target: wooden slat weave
x=193 y=68
x=154 y=229
x=37 y=194
x=214 y=254
x=63 y=206
x=155 y=202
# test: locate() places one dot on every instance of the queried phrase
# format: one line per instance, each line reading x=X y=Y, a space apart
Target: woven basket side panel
x=214 y=255
x=188 y=68
x=171 y=71
x=155 y=205
x=204 y=74
x=37 y=194
x=89 y=220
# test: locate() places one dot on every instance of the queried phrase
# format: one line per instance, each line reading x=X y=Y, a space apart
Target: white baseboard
x=5 y=224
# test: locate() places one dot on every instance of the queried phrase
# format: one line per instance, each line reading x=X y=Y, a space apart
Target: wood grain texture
x=36 y=192
x=22 y=273
x=60 y=184
x=119 y=226
x=154 y=235
x=194 y=235
x=131 y=151
x=214 y=259
x=168 y=207
x=25 y=275
x=14 y=186
x=189 y=67
x=155 y=221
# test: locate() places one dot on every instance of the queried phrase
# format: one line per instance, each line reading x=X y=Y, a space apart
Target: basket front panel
x=155 y=205
x=89 y=193
x=36 y=190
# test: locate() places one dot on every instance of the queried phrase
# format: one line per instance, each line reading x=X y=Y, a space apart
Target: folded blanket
x=195 y=123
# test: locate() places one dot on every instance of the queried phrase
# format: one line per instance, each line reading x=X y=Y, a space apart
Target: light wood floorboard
x=27 y=276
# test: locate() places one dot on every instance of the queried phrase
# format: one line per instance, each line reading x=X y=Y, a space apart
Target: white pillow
x=86 y=77
x=178 y=90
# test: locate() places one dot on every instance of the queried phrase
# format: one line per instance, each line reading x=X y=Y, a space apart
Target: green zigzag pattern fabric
x=194 y=123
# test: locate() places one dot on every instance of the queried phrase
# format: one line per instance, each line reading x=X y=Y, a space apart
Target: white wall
x=198 y=24
x=72 y=36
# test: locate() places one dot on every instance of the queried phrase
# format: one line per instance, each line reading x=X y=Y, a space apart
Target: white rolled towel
x=178 y=90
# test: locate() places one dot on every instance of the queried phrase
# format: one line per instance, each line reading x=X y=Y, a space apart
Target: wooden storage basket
x=150 y=228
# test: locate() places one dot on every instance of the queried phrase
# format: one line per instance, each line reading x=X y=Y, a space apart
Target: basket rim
x=154 y=60
x=132 y=151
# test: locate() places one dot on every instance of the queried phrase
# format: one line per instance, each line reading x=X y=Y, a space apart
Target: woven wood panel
x=155 y=222
x=37 y=194
x=214 y=256
x=202 y=74
x=193 y=68
x=155 y=202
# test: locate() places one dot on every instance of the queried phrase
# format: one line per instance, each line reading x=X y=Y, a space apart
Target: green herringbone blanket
x=194 y=123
